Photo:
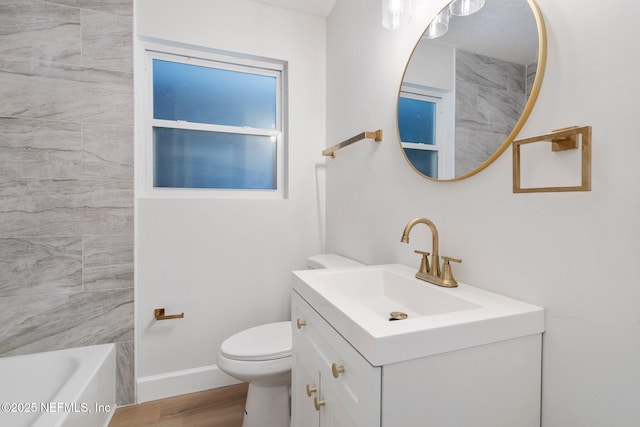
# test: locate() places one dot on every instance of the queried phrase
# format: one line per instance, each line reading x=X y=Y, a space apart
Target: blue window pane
x=197 y=159
x=211 y=95
x=425 y=161
x=416 y=121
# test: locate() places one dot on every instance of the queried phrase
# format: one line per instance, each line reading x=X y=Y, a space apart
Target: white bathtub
x=65 y=388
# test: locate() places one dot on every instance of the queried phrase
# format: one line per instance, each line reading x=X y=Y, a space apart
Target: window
x=214 y=124
x=423 y=126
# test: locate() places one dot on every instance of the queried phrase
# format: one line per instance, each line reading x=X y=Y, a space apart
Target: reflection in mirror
x=467 y=90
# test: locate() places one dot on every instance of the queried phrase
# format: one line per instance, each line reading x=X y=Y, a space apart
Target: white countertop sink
x=357 y=302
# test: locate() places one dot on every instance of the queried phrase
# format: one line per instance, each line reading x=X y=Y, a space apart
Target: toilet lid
x=264 y=342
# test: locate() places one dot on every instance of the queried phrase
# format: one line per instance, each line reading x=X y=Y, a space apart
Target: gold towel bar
x=561 y=139
x=331 y=151
x=158 y=313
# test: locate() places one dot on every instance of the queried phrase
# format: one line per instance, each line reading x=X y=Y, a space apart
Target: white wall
x=576 y=254
x=227 y=263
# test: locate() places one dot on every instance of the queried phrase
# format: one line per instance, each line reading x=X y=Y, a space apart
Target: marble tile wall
x=66 y=178
x=490 y=96
x=532 y=69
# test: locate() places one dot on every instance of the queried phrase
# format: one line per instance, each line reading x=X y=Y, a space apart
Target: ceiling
x=313 y=7
x=499 y=22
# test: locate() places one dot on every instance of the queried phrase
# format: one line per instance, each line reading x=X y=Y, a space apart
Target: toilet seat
x=261 y=343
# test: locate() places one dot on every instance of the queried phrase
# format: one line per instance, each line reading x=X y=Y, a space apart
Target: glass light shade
x=439 y=26
x=396 y=13
x=466 y=7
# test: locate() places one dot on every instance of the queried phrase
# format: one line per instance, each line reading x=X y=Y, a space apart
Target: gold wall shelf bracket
x=158 y=313
x=561 y=140
x=331 y=151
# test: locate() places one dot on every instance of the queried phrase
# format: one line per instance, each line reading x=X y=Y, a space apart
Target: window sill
x=208 y=193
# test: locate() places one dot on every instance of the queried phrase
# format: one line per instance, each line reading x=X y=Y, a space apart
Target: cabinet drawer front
x=345 y=376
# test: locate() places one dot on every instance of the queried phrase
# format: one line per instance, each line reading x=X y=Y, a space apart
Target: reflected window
x=425 y=161
x=417 y=120
x=422 y=117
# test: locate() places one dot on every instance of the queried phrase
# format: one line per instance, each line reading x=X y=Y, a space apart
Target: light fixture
x=396 y=13
x=466 y=7
x=439 y=26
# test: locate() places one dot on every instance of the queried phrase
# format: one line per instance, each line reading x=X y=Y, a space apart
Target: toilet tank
x=330 y=261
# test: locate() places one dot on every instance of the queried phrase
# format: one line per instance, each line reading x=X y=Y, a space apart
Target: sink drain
x=397 y=315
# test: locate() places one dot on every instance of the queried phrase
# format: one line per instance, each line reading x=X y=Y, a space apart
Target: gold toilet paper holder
x=158 y=313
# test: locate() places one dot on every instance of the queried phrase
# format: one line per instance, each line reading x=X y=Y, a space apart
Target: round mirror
x=469 y=86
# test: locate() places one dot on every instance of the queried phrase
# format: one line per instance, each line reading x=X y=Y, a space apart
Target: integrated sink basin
x=382 y=291
x=359 y=301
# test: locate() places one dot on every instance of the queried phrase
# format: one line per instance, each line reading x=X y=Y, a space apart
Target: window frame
x=221 y=60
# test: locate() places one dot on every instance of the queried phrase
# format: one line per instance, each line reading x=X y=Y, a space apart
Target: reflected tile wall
x=66 y=178
x=532 y=70
x=490 y=97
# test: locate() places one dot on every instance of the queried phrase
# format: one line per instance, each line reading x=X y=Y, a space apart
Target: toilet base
x=267 y=406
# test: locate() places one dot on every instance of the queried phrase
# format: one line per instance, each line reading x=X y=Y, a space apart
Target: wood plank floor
x=221 y=407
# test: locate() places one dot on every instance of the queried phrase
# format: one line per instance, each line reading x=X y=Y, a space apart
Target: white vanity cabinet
x=332 y=384
x=491 y=385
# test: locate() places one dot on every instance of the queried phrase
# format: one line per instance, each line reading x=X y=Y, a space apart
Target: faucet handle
x=447 y=274
x=424 y=264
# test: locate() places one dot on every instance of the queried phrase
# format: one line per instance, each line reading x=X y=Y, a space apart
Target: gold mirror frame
x=535 y=90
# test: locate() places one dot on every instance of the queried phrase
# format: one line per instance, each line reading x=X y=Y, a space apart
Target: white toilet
x=261 y=356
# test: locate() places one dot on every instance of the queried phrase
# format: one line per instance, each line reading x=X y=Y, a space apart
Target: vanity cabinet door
x=349 y=387
x=305 y=384
x=334 y=412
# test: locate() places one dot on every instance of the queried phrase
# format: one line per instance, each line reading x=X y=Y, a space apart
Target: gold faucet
x=432 y=274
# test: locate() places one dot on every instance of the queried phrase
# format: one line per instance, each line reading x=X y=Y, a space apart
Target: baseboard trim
x=154 y=387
